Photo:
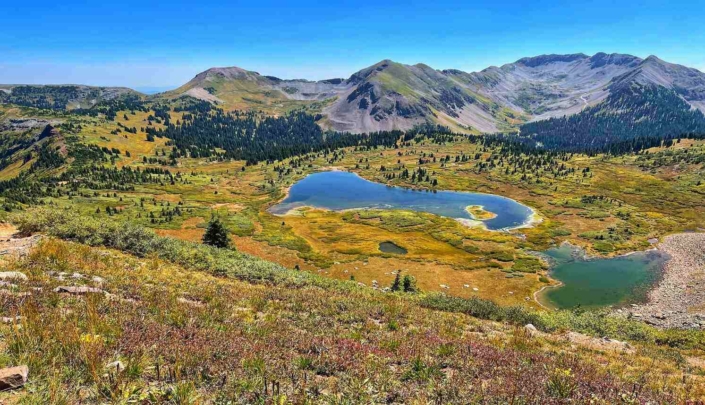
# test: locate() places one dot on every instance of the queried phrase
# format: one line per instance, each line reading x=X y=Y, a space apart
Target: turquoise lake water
x=342 y=190
x=597 y=283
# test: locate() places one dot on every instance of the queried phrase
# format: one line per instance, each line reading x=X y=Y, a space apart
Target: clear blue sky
x=160 y=43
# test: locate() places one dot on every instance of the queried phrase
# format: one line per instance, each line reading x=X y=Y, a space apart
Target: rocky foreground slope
x=94 y=326
x=178 y=322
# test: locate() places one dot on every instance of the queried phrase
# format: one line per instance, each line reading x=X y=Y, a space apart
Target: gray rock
x=6 y=319
x=12 y=275
x=77 y=290
x=13 y=377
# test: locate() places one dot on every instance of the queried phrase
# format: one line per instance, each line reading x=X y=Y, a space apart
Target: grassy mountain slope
x=384 y=96
x=192 y=324
x=234 y=88
x=390 y=95
x=550 y=85
x=632 y=111
x=688 y=83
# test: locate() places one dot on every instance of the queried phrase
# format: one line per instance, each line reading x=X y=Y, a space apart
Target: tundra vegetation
x=182 y=322
x=125 y=194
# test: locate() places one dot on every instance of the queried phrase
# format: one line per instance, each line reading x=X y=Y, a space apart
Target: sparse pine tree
x=216 y=234
x=409 y=284
x=396 y=285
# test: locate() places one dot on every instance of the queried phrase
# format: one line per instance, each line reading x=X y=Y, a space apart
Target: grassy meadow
x=607 y=205
x=183 y=323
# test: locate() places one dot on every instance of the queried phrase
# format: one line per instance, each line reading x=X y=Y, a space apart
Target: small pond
x=595 y=283
x=337 y=191
x=391 y=247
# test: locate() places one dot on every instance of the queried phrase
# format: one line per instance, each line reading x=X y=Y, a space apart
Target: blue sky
x=158 y=44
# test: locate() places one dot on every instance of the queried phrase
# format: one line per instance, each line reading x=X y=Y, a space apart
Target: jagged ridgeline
x=632 y=118
x=395 y=96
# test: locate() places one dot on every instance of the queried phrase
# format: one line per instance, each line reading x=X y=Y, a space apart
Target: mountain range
x=390 y=95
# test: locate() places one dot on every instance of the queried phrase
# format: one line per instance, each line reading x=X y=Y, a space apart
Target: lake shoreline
x=537 y=295
x=678 y=301
x=532 y=218
x=576 y=258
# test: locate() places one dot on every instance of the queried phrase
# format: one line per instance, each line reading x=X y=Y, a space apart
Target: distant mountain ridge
x=62 y=97
x=390 y=95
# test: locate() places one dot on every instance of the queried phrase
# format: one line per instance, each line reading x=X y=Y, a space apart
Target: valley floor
x=605 y=204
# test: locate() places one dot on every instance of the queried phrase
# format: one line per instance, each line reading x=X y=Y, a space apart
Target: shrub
x=595 y=323
x=527 y=265
x=409 y=284
x=140 y=241
x=502 y=256
x=483 y=309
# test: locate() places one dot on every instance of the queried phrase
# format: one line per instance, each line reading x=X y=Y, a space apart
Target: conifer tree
x=396 y=285
x=409 y=284
x=216 y=234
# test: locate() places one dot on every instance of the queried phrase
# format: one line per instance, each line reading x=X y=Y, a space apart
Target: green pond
x=595 y=283
x=391 y=247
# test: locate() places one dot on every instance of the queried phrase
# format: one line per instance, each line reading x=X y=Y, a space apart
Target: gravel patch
x=679 y=299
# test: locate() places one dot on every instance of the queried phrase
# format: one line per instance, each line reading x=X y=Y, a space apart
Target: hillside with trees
x=633 y=118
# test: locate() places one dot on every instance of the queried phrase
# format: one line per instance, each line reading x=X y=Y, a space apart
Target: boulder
x=77 y=290
x=12 y=275
x=604 y=343
x=10 y=319
x=13 y=377
x=192 y=303
x=531 y=330
x=13 y=293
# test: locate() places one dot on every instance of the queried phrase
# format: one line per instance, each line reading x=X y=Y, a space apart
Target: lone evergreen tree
x=409 y=284
x=396 y=285
x=216 y=234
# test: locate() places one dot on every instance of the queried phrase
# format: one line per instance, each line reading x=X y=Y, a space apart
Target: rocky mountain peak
x=536 y=61
x=601 y=59
x=229 y=73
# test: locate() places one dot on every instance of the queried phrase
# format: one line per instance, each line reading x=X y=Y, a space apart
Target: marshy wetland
x=607 y=205
x=583 y=281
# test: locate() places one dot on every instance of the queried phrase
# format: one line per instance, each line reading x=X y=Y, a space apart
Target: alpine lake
x=585 y=282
